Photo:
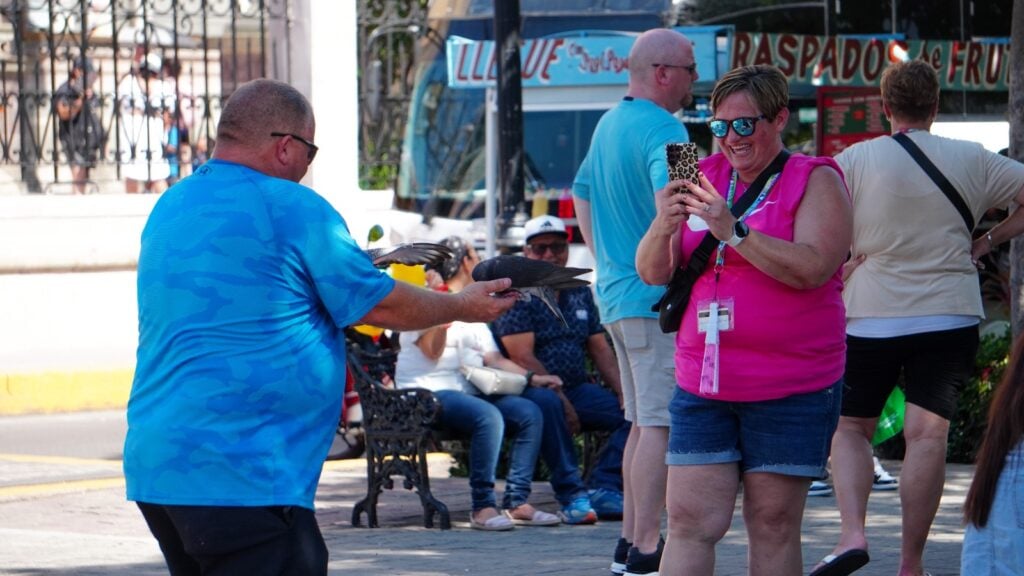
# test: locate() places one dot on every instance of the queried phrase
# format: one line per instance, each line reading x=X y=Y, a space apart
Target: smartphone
x=682 y=161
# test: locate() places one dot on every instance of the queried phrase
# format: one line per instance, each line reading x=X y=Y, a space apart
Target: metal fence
x=389 y=32
x=96 y=92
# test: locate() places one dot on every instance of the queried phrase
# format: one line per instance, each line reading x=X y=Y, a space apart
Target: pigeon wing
x=526 y=272
x=410 y=254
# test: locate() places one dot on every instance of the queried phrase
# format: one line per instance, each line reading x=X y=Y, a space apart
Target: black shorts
x=230 y=540
x=935 y=367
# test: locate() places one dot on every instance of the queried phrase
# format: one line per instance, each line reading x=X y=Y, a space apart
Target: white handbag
x=493 y=381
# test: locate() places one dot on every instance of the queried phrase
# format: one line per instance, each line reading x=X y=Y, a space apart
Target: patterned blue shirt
x=562 y=350
x=244 y=284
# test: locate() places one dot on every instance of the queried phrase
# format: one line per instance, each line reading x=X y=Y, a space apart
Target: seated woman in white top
x=432 y=358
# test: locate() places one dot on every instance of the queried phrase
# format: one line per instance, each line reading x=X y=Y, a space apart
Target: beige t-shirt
x=918 y=249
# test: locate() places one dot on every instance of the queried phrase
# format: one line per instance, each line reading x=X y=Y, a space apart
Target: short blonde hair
x=766 y=85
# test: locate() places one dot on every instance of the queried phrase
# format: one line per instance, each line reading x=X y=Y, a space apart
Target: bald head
x=657 y=46
x=669 y=84
x=259 y=107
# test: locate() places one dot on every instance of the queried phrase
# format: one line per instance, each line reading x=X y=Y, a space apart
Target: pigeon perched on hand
x=409 y=254
x=532 y=278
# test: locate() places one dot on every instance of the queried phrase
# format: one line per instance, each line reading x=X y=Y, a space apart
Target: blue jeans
x=483 y=420
x=997 y=549
x=598 y=409
x=557 y=448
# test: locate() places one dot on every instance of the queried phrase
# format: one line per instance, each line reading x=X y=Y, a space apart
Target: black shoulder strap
x=937 y=177
x=700 y=256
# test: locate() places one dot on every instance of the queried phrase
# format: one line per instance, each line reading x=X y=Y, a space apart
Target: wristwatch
x=739 y=234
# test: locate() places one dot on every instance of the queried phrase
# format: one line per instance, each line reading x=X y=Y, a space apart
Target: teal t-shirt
x=624 y=167
x=245 y=283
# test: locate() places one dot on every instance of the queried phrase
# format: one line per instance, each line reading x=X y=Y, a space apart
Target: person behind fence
x=142 y=100
x=913 y=304
x=78 y=128
x=994 y=507
x=246 y=280
x=535 y=339
x=434 y=359
x=760 y=351
x=613 y=194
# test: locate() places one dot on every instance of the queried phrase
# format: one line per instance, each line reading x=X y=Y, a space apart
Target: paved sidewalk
x=81 y=525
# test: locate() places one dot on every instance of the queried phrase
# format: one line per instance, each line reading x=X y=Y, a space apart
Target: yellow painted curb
x=64 y=391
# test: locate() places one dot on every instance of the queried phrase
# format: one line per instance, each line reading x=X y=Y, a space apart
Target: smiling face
x=749 y=155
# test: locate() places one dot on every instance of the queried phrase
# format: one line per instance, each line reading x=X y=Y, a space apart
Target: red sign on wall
x=847 y=115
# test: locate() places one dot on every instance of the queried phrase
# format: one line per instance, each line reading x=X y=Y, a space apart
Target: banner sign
x=545 y=61
x=859 y=61
x=573 y=60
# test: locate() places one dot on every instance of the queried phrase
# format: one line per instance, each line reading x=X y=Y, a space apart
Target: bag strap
x=937 y=177
x=700 y=256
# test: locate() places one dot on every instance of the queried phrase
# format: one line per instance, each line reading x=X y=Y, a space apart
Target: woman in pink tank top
x=761 y=346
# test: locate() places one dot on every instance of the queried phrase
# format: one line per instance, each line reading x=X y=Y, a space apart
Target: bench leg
x=407 y=458
x=430 y=504
x=374 y=486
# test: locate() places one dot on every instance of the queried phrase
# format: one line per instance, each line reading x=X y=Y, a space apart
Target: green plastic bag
x=890 y=423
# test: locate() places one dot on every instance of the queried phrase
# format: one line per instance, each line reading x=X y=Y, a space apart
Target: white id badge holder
x=713 y=316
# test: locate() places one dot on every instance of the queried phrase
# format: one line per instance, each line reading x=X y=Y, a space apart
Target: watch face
x=741 y=229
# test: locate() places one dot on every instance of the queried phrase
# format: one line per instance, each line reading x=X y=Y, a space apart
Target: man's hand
x=546 y=381
x=479 y=304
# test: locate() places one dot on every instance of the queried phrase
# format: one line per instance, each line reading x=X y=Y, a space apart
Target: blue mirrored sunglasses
x=742 y=126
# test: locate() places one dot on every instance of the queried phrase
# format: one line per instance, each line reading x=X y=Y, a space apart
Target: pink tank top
x=784 y=341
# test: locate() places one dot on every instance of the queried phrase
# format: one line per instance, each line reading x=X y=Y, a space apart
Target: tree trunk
x=1016 y=115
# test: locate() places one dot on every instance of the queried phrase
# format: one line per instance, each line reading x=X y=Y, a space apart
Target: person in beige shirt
x=913 y=304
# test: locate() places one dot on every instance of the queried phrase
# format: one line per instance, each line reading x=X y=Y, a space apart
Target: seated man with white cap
x=535 y=339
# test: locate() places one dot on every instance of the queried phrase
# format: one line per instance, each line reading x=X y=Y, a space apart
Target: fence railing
x=96 y=92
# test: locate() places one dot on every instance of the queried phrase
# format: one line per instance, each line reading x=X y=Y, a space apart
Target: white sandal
x=539 y=518
x=497 y=523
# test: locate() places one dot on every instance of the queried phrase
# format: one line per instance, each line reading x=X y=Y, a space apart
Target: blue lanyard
x=720 y=258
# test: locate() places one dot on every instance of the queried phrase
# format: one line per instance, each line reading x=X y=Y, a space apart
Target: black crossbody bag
x=933 y=172
x=672 y=304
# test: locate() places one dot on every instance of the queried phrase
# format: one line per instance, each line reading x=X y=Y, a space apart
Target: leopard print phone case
x=682 y=161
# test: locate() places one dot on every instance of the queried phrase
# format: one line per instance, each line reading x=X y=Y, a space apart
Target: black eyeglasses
x=557 y=248
x=742 y=126
x=312 y=148
x=692 y=68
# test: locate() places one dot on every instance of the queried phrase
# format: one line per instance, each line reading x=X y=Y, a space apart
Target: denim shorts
x=789 y=436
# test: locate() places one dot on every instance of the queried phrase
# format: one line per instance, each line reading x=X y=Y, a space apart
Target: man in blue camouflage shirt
x=246 y=280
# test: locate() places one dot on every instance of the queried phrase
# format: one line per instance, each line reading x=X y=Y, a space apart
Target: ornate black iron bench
x=398 y=428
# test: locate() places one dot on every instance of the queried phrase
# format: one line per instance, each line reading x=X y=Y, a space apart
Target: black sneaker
x=619 y=558
x=639 y=564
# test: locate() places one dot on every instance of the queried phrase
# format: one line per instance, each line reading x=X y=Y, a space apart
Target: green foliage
x=969 y=423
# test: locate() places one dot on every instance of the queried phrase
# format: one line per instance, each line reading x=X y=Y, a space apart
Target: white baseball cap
x=544 y=225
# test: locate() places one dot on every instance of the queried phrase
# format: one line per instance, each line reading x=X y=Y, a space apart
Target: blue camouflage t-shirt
x=562 y=350
x=245 y=282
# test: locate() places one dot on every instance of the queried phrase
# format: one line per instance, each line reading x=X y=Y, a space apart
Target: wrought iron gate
x=389 y=31
x=130 y=89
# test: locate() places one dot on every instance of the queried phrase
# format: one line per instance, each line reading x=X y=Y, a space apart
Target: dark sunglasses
x=557 y=248
x=312 y=148
x=742 y=126
x=692 y=68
